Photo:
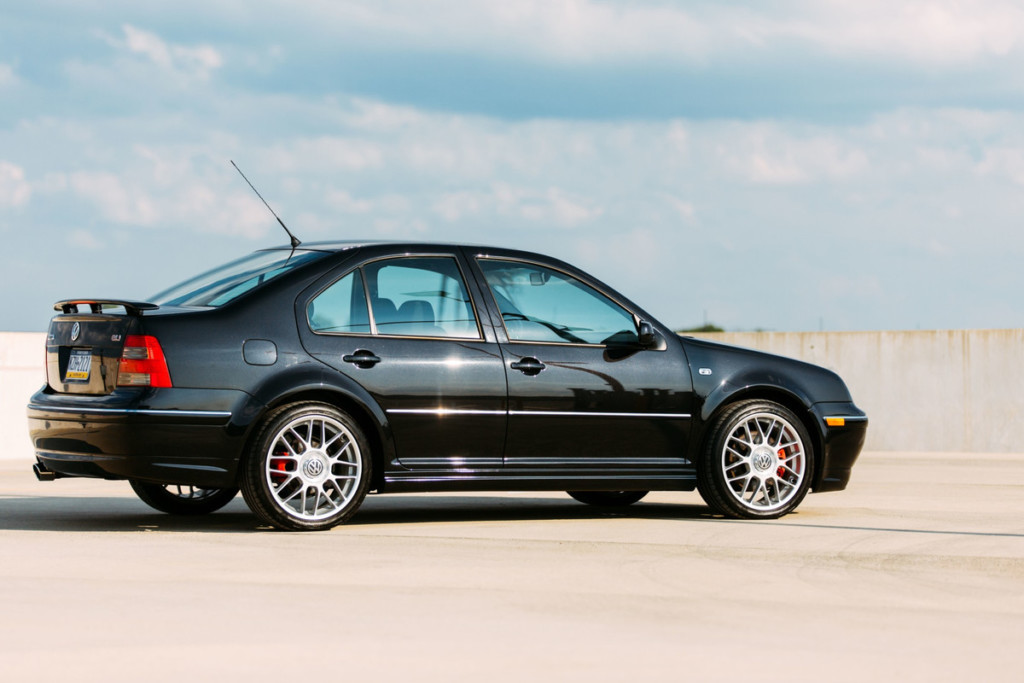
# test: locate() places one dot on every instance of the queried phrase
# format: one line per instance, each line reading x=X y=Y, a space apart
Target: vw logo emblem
x=763 y=460
x=76 y=330
x=314 y=467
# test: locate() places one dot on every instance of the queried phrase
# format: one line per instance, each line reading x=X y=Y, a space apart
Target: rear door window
x=341 y=308
x=421 y=297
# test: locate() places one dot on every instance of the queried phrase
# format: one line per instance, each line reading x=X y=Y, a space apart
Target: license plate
x=78 y=366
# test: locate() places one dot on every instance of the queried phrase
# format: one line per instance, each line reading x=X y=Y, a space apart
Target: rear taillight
x=142 y=363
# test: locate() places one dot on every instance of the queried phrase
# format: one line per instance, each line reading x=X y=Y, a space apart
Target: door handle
x=528 y=366
x=362 y=359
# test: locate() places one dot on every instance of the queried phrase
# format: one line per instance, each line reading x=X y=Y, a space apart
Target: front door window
x=543 y=305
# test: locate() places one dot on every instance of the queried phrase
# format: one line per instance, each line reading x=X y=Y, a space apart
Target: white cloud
x=325 y=153
x=776 y=154
x=84 y=239
x=925 y=31
x=939 y=32
x=384 y=204
x=115 y=201
x=565 y=30
x=14 y=189
x=7 y=75
x=557 y=206
x=1003 y=161
x=454 y=206
x=197 y=61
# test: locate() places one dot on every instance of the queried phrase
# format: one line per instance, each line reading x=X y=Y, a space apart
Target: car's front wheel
x=179 y=499
x=756 y=462
x=309 y=468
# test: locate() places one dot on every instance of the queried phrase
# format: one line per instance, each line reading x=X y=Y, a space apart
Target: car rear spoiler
x=134 y=308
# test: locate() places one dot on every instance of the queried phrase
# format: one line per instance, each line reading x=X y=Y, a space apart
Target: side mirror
x=646 y=334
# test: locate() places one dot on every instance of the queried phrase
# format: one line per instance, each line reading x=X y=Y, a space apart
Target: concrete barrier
x=948 y=390
x=22 y=372
x=959 y=390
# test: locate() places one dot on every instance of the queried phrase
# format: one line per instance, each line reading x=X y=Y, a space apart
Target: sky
x=798 y=165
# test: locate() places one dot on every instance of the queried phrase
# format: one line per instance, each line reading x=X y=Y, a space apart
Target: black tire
x=309 y=468
x=757 y=461
x=608 y=498
x=175 y=499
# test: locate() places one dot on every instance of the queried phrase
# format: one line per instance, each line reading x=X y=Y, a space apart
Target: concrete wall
x=956 y=391
x=21 y=374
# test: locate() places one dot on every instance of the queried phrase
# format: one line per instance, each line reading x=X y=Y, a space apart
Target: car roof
x=343 y=245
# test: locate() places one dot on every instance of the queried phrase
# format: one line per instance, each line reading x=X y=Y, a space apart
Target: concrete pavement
x=916 y=572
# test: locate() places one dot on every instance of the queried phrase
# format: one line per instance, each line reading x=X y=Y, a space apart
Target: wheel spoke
x=301 y=441
x=327 y=495
x=296 y=491
x=738 y=463
x=330 y=442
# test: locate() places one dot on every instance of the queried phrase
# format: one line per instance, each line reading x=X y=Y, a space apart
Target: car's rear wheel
x=608 y=498
x=179 y=499
x=309 y=468
x=756 y=462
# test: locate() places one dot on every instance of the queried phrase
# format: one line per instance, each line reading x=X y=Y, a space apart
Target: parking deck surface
x=916 y=572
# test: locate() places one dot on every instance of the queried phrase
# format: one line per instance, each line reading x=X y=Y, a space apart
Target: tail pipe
x=43 y=474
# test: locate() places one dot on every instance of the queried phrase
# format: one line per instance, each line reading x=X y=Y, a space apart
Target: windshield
x=228 y=282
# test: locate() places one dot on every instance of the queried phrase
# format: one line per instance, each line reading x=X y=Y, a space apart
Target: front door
x=583 y=393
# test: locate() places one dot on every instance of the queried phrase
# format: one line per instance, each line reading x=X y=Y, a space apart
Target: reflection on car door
x=581 y=390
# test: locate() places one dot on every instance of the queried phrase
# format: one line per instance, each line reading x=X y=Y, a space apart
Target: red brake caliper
x=281 y=465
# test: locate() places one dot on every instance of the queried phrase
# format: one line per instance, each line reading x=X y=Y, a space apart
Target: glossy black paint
x=440 y=414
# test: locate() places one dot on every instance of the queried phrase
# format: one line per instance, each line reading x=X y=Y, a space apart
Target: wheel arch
x=352 y=400
x=761 y=392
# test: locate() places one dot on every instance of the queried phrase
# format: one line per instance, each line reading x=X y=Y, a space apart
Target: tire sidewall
x=256 y=489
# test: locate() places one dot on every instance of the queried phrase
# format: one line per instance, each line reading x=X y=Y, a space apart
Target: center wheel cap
x=314 y=467
x=763 y=459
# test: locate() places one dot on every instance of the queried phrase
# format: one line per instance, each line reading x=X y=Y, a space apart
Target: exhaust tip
x=43 y=474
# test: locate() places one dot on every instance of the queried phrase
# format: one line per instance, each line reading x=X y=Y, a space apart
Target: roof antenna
x=295 y=240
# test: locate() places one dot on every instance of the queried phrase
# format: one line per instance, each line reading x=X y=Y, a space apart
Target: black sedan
x=310 y=376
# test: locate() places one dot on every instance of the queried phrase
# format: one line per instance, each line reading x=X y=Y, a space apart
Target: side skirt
x=520 y=480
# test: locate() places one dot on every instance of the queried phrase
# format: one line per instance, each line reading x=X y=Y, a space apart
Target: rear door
x=406 y=329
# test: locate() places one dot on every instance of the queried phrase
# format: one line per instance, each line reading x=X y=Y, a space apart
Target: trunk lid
x=84 y=344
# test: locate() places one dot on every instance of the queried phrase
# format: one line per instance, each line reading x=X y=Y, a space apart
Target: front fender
x=754 y=383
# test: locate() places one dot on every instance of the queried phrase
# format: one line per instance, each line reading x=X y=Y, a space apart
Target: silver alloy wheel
x=764 y=462
x=313 y=467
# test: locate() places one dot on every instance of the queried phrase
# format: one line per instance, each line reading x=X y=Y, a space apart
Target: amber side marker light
x=835 y=421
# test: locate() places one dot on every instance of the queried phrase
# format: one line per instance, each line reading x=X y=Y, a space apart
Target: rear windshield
x=228 y=282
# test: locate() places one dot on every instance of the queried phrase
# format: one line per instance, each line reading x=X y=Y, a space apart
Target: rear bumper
x=173 y=436
x=842 y=443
